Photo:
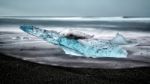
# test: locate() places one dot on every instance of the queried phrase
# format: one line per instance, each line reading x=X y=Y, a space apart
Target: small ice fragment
x=20 y=38
x=119 y=39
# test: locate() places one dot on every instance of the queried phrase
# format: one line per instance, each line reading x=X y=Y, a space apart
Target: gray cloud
x=75 y=7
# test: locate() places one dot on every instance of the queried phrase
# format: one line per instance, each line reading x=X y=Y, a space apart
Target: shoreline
x=16 y=71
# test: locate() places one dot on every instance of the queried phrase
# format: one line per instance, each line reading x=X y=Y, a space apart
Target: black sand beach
x=16 y=71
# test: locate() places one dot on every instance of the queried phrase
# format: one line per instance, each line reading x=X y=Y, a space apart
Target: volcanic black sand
x=16 y=71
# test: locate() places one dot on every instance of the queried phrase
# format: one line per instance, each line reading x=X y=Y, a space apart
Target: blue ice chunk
x=89 y=48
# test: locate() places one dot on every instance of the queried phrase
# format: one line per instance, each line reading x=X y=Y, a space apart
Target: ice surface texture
x=80 y=47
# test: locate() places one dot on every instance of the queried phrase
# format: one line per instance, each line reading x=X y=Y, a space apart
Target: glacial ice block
x=83 y=47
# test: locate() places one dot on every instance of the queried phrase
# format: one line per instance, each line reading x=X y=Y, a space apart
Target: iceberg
x=75 y=45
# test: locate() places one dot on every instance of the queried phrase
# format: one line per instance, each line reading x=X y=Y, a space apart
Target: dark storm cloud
x=74 y=7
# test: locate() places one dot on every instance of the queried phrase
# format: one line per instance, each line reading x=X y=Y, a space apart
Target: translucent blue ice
x=119 y=39
x=87 y=47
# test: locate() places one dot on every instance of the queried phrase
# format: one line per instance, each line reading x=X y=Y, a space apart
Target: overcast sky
x=74 y=7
